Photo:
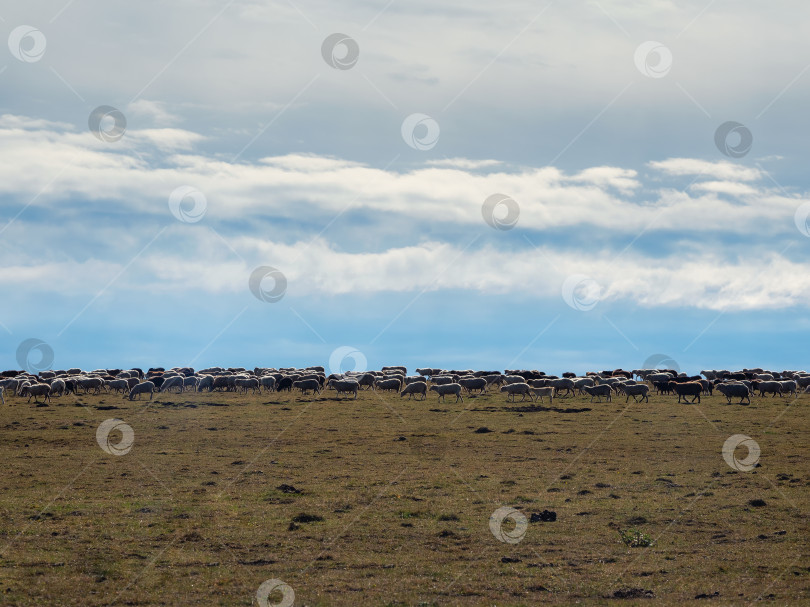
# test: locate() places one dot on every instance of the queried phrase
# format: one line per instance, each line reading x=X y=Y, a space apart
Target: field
x=382 y=501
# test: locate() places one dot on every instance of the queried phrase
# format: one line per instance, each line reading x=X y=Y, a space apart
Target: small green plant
x=635 y=538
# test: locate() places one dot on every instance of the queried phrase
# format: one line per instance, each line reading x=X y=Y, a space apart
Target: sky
x=558 y=186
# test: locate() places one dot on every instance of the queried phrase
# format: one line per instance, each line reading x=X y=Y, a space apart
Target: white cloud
x=719 y=169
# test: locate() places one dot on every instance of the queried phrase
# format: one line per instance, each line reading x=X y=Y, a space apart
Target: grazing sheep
x=245 y=384
x=442 y=380
x=206 y=383
x=344 y=386
x=514 y=379
x=142 y=388
x=285 y=383
x=268 y=382
x=765 y=387
x=175 y=381
x=634 y=390
x=517 y=388
x=543 y=392
x=599 y=391
x=474 y=383
x=118 y=385
x=445 y=389
x=90 y=383
x=307 y=384
x=494 y=378
x=190 y=383
x=36 y=390
x=687 y=388
x=58 y=386
x=733 y=390
x=220 y=383
x=388 y=384
x=417 y=387
x=414 y=378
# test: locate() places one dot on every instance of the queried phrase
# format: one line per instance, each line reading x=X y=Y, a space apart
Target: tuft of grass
x=635 y=538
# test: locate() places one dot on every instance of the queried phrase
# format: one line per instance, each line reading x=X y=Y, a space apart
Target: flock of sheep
x=532 y=384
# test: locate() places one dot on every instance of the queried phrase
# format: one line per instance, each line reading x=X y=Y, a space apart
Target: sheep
x=285 y=383
x=769 y=386
x=474 y=383
x=142 y=388
x=517 y=388
x=442 y=380
x=367 y=380
x=514 y=379
x=119 y=385
x=268 y=382
x=581 y=383
x=388 y=384
x=494 y=378
x=599 y=391
x=2 y=397
x=344 y=386
x=220 y=383
x=657 y=377
x=734 y=389
x=687 y=388
x=245 y=384
x=415 y=378
x=90 y=383
x=58 y=385
x=206 y=383
x=36 y=390
x=542 y=392
x=445 y=389
x=307 y=384
x=190 y=383
x=563 y=384
x=175 y=381
x=789 y=386
x=417 y=387
x=634 y=390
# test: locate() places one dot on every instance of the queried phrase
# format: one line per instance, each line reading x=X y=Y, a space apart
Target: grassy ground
x=193 y=514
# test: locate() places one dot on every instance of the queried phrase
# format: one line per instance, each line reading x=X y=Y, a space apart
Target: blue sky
x=360 y=173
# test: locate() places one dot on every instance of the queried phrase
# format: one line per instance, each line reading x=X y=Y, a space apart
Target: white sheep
x=540 y=393
x=2 y=397
x=206 y=383
x=473 y=383
x=789 y=386
x=175 y=381
x=58 y=385
x=517 y=388
x=344 y=386
x=142 y=388
x=388 y=384
x=190 y=383
x=119 y=385
x=417 y=387
x=514 y=379
x=563 y=384
x=734 y=389
x=634 y=390
x=599 y=391
x=249 y=383
x=444 y=389
x=268 y=382
x=36 y=390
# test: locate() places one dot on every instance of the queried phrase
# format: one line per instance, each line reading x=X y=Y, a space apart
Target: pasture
x=385 y=501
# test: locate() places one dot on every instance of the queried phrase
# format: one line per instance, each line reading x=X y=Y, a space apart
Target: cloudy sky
x=562 y=186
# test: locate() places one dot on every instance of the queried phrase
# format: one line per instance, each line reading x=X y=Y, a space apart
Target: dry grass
x=193 y=513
